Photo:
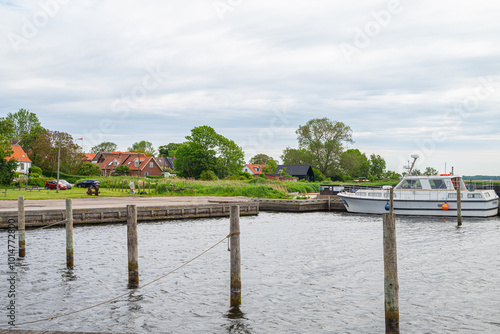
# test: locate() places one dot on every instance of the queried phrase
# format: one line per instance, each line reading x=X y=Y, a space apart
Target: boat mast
x=415 y=157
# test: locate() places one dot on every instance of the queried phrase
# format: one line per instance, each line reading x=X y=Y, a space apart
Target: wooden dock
x=330 y=203
x=38 y=218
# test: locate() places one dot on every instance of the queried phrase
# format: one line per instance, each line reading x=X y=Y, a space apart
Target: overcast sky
x=409 y=77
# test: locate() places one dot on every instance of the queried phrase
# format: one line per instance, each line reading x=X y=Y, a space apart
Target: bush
x=34 y=175
x=35 y=170
x=208 y=175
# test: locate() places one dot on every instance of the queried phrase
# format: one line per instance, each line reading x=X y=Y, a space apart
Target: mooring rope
x=41 y=228
x=127 y=293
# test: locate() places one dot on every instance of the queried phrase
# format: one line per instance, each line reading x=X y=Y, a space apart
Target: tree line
x=322 y=143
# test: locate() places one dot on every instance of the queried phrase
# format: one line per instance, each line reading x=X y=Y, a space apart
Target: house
x=138 y=163
x=88 y=157
x=254 y=170
x=302 y=172
x=165 y=162
x=23 y=162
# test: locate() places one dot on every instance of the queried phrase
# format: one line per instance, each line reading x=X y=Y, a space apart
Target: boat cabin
x=436 y=182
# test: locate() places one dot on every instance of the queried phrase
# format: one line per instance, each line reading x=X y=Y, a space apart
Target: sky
x=408 y=77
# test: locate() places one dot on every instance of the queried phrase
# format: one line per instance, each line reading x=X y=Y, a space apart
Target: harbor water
x=316 y=272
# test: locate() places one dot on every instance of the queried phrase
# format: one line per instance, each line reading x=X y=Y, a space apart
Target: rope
x=41 y=228
x=124 y=294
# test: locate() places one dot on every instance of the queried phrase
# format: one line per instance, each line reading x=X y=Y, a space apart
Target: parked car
x=66 y=183
x=52 y=185
x=88 y=183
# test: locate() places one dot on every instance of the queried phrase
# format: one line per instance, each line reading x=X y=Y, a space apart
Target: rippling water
x=301 y=273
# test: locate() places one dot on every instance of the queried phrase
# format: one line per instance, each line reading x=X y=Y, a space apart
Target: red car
x=52 y=185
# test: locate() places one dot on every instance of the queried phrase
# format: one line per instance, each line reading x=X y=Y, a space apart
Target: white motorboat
x=424 y=195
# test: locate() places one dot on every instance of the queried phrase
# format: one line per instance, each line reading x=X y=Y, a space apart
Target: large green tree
x=260 y=159
x=105 y=146
x=45 y=152
x=294 y=156
x=354 y=163
x=324 y=140
x=7 y=168
x=24 y=122
x=89 y=169
x=206 y=150
x=143 y=146
x=6 y=128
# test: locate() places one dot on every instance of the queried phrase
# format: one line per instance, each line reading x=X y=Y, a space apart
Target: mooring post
x=21 y=226
x=234 y=239
x=391 y=285
x=133 y=257
x=69 y=234
x=459 y=206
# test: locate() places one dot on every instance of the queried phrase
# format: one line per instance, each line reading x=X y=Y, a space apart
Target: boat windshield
x=410 y=184
x=437 y=184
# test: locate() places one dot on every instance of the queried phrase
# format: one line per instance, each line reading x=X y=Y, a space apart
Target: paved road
x=115 y=202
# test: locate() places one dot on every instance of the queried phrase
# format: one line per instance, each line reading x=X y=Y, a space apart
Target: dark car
x=88 y=183
x=52 y=185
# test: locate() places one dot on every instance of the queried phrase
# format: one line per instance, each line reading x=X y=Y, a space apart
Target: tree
x=105 y=146
x=206 y=150
x=7 y=167
x=354 y=163
x=260 y=159
x=168 y=150
x=429 y=171
x=122 y=170
x=324 y=140
x=271 y=166
x=7 y=128
x=24 y=122
x=89 y=169
x=293 y=156
x=45 y=152
x=377 y=166
x=318 y=176
x=142 y=147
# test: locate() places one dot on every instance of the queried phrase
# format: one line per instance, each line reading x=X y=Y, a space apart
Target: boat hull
x=486 y=208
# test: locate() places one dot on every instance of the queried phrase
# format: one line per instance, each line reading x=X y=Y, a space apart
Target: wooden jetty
x=329 y=203
x=38 y=218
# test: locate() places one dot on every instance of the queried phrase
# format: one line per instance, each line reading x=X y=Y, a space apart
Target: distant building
x=254 y=170
x=302 y=172
x=23 y=162
x=138 y=163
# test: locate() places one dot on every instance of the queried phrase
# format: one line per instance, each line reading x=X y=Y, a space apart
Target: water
x=301 y=273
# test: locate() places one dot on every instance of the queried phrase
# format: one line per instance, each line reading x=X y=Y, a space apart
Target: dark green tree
x=207 y=150
x=7 y=167
x=24 y=122
x=429 y=171
x=122 y=170
x=89 y=169
x=377 y=166
x=105 y=146
x=168 y=150
x=355 y=164
x=7 y=128
x=293 y=156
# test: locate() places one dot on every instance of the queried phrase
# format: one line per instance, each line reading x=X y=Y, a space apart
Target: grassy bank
x=119 y=187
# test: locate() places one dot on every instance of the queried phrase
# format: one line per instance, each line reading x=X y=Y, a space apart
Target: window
x=21 y=166
x=411 y=184
x=150 y=165
x=256 y=169
x=146 y=173
x=136 y=163
x=437 y=184
x=474 y=195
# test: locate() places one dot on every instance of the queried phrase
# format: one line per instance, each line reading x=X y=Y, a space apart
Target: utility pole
x=58 y=163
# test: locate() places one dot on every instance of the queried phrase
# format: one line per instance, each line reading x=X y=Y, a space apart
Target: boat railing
x=352 y=188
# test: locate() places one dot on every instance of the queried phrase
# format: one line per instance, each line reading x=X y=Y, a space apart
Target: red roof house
x=24 y=163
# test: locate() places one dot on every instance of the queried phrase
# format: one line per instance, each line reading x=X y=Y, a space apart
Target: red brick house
x=138 y=163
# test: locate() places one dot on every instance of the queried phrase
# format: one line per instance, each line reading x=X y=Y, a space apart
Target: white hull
x=472 y=208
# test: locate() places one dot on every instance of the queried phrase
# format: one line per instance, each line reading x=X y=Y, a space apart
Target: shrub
x=208 y=175
x=35 y=170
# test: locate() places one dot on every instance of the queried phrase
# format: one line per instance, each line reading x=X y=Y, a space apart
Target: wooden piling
x=21 y=226
x=391 y=285
x=459 y=206
x=69 y=234
x=133 y=257
x=234 y=239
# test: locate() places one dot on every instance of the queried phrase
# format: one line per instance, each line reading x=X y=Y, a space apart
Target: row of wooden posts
x=133 y=255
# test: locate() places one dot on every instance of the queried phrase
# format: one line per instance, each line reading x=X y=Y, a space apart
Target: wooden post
x=391 y=285
x=69 y=234
x=21 y=226
x=391 y=199
x=149 y=192
x=133 y=257
x=459 y=205
x=234 y=239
